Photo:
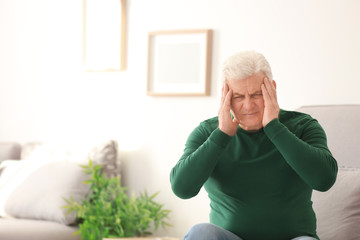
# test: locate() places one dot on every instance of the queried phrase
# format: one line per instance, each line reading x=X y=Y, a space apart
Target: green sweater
x=259 y=183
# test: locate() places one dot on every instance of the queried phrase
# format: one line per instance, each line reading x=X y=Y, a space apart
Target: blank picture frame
x=179 y=63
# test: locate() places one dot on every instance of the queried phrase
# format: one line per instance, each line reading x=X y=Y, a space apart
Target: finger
x=271 y=90
x=227 y=102
x=222 y=94
x=226 y=93
x=268 y=86
x=265 y=94
x=269 y=101
x=224 y=112
x=228 y=98
x=235 y=120
x=272 y=85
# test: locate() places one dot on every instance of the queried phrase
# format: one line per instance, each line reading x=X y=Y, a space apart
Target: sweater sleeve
x=201 y=154
x=308 y=155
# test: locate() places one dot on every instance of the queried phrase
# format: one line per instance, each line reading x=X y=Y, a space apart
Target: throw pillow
x=41 y=195
x=102 y=152
x=8 y=180
x=13 y=174
x=338 y=210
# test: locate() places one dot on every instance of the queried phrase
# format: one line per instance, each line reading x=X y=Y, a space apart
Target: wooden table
x=143 y=238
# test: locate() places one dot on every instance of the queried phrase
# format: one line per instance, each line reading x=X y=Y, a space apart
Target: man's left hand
x=272 y=108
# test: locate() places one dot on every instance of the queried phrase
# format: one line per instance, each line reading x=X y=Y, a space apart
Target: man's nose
x=248 y=103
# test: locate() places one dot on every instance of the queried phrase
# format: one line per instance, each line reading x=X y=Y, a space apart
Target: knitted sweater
x=259 y=183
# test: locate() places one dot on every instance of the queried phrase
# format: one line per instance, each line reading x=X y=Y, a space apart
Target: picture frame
x=179 y=63
x=104 y=35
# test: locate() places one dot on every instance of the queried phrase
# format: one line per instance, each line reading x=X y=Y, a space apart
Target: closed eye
x=256 y=95
x=238 y=97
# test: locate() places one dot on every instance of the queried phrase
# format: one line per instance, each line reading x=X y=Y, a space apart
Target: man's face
x=247 y=102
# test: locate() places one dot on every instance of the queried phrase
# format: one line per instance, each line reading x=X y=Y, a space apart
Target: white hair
x=245 y=64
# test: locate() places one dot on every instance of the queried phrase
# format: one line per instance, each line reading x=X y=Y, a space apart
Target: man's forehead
x=243 y=86
x=250 y=92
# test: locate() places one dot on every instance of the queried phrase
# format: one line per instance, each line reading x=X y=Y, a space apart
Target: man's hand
x=226 y=124
x=272 y=108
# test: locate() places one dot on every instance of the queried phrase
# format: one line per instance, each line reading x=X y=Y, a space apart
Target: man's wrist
x=220 y=138
x=273 y=128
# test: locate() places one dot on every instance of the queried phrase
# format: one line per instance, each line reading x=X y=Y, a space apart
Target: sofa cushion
x=40 y=195
x=338 y=210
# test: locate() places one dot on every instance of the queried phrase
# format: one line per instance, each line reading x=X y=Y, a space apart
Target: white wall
x=45 y=94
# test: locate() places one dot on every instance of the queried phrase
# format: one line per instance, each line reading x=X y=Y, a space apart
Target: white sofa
x=33 y=205
x=338 y=210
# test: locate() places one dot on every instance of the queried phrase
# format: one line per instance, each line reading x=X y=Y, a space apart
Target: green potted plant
x=109 y=212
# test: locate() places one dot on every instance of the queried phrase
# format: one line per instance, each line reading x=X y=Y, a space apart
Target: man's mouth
x=250 y=114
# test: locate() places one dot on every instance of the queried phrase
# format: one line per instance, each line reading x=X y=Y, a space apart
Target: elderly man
x=258 y=163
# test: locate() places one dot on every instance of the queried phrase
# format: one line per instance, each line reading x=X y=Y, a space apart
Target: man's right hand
x=226 y=124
